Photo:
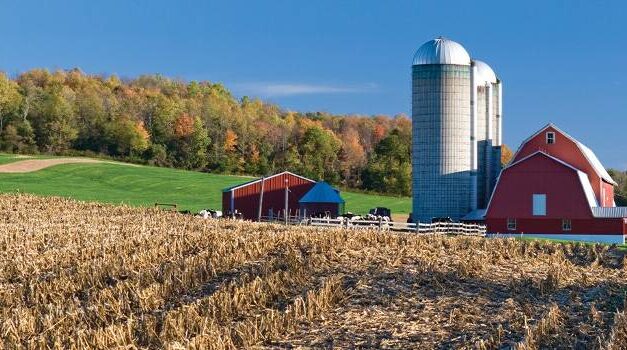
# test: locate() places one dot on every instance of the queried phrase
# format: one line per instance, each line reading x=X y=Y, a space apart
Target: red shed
x=245 y=197
x=555 y=187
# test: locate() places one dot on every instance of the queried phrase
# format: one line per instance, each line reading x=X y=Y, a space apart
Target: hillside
x=146 y=185
x=198 y=125
x=79 y=275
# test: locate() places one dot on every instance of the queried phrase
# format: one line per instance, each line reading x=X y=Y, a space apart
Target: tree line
x=199 y=126
x=620 y=191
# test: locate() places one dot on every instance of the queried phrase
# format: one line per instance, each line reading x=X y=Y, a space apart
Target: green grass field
x=144 y=185
x=11 y=158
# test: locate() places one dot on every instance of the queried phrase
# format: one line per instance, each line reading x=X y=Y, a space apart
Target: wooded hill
x=200 y=126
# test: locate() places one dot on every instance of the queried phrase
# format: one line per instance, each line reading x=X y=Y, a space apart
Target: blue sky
x=560 y=61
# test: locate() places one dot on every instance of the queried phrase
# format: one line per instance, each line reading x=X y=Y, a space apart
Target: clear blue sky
x=560 y=61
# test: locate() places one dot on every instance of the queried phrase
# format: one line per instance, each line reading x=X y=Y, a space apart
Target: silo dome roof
x=485 y=74
x=441 y=51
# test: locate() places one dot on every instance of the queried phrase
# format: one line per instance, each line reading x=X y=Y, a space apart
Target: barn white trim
x=265 y=179
x=587 y=152
x=579 y=173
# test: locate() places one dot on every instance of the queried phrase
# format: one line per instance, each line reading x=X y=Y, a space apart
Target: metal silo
x=488 y=102
x=442 y=151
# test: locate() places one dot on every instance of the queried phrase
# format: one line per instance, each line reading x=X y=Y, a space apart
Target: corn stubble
x=81 y=275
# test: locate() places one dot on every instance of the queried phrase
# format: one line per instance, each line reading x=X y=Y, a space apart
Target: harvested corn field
x=81 y=275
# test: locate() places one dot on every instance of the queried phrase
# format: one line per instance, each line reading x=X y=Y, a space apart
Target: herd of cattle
x=377 y=218
x=377 y=214
x=218 y=214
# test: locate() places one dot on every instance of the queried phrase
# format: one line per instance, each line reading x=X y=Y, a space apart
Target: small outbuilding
x=270 y=192
x=322 y=200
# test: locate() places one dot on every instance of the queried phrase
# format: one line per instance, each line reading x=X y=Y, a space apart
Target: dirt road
x=29 y=165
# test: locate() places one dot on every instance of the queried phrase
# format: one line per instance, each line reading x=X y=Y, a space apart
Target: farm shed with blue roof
x=322 y=200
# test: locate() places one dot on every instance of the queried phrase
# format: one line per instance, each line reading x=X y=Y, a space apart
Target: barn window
x=511 y=224
x=539 y=204
x=566 y=225
x=550 y=137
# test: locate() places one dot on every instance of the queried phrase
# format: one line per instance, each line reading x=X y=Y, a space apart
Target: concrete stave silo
x=441 y=165
x=488 y=104
x=456 y=123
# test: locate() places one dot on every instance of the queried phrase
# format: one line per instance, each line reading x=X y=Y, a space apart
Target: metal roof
x=583 y=177
x=441 y=51
x=597 y=212
x=587 y=152
x=259 y=180
x=322 y=192
x=596 y=164
x=609 y=212
x=485 y=74
x=475 y=215
x=587 y=188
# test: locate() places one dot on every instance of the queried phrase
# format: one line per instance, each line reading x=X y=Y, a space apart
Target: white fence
x=455 y=228
x=291 y=220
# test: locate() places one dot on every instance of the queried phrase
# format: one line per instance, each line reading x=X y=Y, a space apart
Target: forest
x=620 y=191
x=201 y=126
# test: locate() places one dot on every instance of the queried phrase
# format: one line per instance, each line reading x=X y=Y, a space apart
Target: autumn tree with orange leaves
x=200 y=125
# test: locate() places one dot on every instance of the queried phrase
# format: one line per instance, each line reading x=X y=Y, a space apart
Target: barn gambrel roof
x=587 y=153
x=583 y=178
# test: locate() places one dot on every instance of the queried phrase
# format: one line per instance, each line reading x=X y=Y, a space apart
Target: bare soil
x=30 y=165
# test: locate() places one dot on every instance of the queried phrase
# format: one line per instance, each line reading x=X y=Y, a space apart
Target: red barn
x=245 y=197
x=556 y=187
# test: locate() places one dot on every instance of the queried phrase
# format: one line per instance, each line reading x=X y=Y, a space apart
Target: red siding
x=246 y=198
x=608 y=189
x=554 y=226
x=566 y=150
x=539 y=174
x=226 y=202
x=565 y=199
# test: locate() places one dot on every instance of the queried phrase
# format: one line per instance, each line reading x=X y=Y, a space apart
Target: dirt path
x=29 y=165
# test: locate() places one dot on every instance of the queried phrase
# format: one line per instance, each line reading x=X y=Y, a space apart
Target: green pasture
x=145 y=185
